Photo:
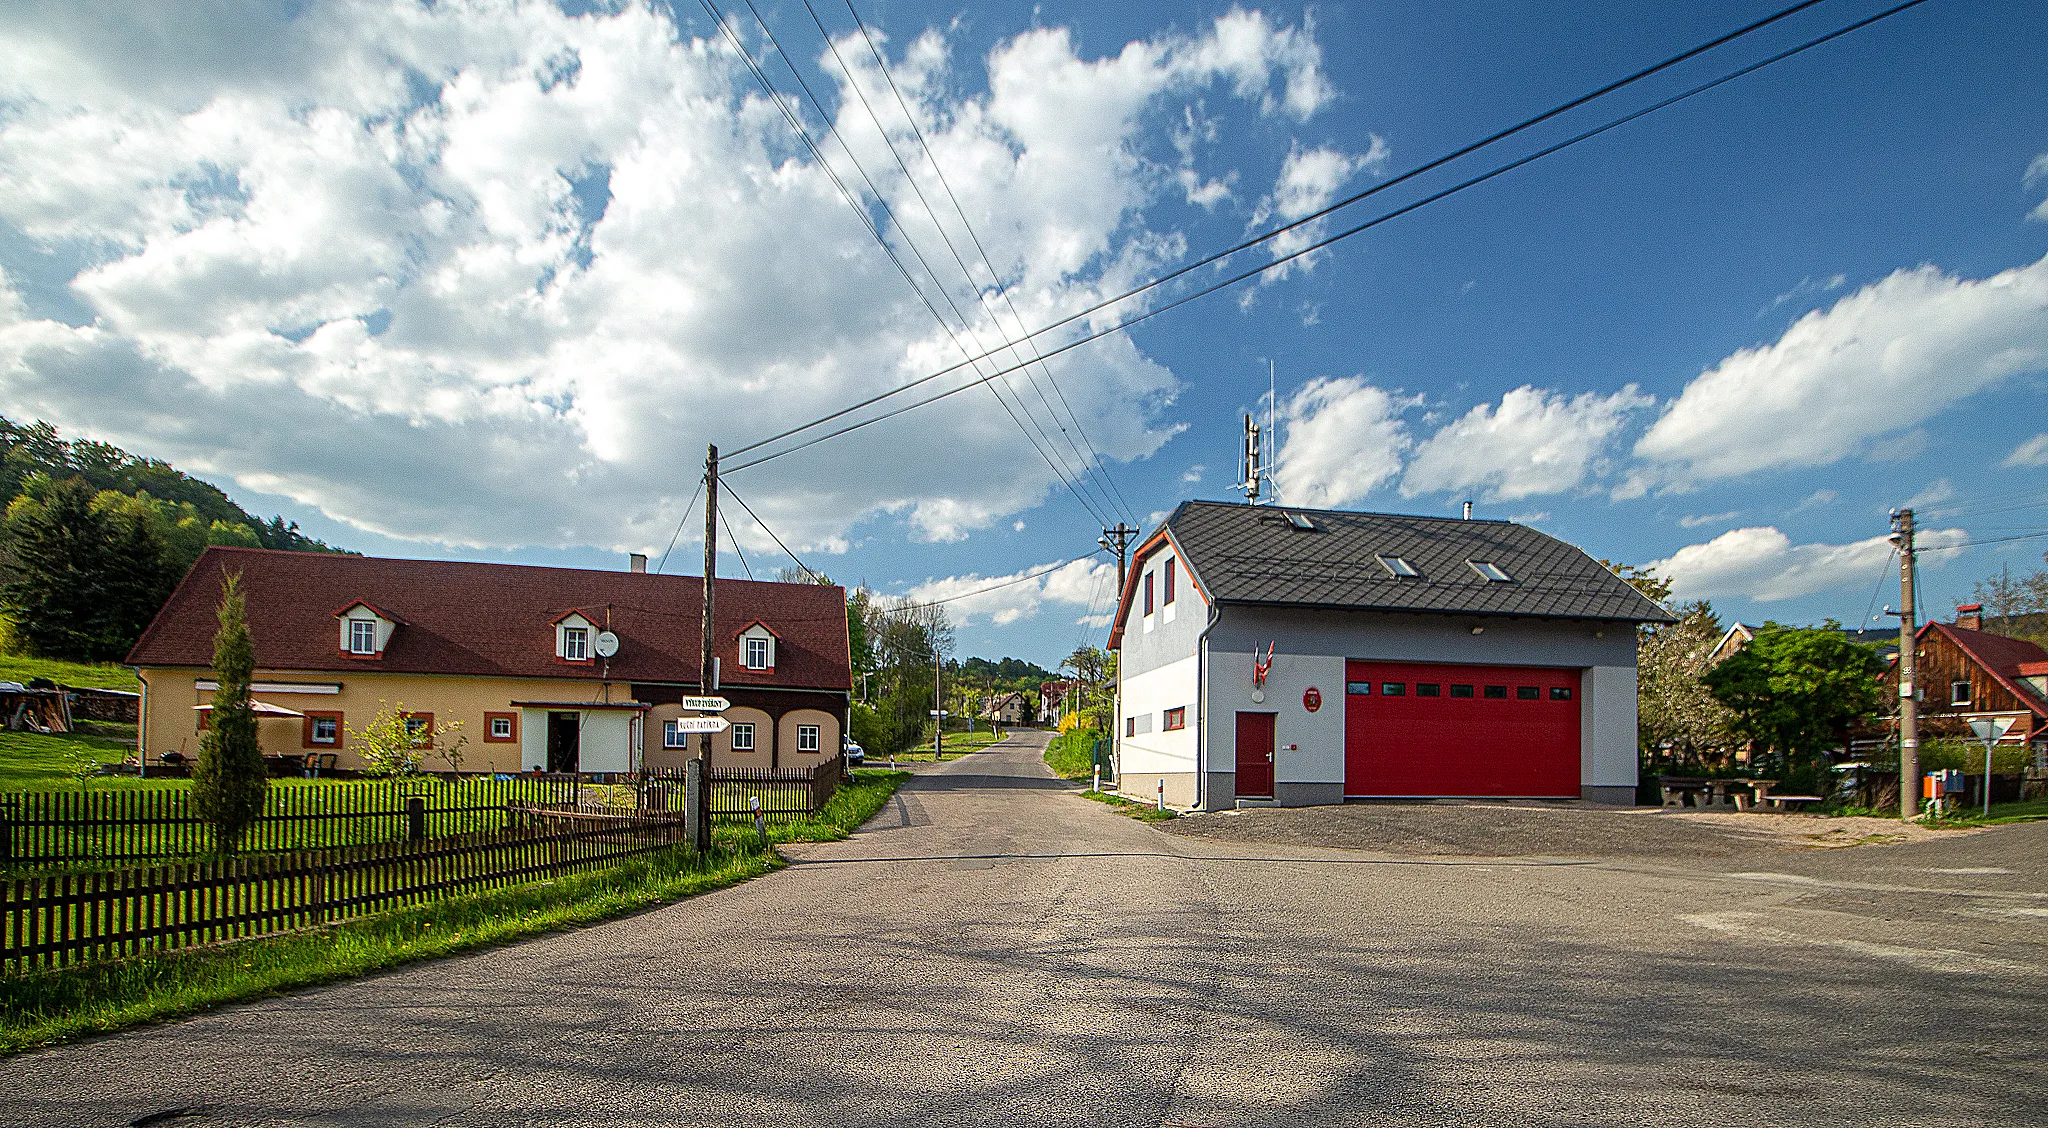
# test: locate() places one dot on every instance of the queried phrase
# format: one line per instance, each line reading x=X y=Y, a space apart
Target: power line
x=1041 y=573
x=680 y=522
x=882 y=202
x=1355 y=198
x=1314 y=245
x=815 y=578
x=737 y=550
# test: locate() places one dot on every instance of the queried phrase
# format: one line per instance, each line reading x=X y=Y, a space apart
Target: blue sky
x=482 y=280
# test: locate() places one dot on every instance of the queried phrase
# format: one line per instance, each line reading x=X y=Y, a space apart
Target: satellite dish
x=607 y=644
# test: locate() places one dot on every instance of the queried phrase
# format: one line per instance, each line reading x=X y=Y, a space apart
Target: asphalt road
x=993 y=949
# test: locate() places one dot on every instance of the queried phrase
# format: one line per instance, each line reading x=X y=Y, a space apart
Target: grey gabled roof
x=1253 y=554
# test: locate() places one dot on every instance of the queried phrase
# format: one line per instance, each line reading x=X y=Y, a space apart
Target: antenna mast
x=1253 y=474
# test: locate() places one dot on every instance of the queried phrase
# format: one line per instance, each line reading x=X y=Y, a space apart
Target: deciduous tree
x=1794 y=691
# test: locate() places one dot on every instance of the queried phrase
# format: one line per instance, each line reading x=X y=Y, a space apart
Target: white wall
x=604 y=745
x=1318 y=737
x=1607 y=727
x=1149 y=695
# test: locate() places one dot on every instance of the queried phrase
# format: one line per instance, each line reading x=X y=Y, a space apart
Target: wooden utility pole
x=1118 y=540
x=1909 y=704
x=707 y=656
x=938 y=703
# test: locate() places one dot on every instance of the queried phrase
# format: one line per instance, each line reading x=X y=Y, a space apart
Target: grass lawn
x=2028 y=811
x=1143 y=812
x=957 y=743
x=1071 y=754
x=37 y=1010
x=78 y=675
x=31 y=761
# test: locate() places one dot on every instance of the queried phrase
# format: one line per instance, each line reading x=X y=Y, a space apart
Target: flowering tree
x=396 y=743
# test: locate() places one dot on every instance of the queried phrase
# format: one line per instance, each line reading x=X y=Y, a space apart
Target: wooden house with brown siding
x=1966 y=672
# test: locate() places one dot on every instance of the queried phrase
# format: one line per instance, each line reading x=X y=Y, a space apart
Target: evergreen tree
x=86 y=581
x=229 y=780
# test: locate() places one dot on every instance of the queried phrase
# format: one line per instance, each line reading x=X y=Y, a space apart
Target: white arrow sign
x=940 y=713
x=707 y=704
x=703 y=724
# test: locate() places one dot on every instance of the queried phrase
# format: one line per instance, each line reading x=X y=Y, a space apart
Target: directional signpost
x=1989 y=731
x=702 y=724
x=706 y=705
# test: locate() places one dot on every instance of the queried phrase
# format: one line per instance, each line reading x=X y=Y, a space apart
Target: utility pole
x=938 y=704
x=1909 y=705
x=707 y=669
x=1118 y=540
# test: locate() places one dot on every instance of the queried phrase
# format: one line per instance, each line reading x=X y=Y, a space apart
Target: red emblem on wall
x=1312 y=699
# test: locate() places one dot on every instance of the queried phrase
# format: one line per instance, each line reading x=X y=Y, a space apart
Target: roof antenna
x=1255 y=470
x=1468 y=510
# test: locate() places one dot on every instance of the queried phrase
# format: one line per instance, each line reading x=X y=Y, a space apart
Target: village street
x=993 y=949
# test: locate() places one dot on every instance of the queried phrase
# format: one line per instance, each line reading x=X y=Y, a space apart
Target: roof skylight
x=1396 y=566
x=1301 y=521
x=1491 y=571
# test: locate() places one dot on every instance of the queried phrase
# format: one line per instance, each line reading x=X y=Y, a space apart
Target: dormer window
x=1492 y=573
x=757 y=647
x=574 y=633
x=1398 y=567
x=365 y=631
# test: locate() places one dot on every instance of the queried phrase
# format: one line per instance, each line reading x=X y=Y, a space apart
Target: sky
x=482 y=280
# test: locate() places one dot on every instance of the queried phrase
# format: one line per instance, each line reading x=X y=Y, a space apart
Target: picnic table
x=1738 y=794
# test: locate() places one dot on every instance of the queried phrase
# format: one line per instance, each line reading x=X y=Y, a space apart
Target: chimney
x=1468 y=511
x=636 y=562
x=1970 y=616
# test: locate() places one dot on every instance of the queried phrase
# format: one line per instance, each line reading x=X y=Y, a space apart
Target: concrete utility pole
x=1909 y=704
x=707 y=678
x=1118 y=540
x=938 y=704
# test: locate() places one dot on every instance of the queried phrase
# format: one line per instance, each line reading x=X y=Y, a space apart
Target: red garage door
x=1413 y=728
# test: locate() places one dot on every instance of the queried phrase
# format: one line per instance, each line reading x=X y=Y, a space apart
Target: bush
x=229 y=780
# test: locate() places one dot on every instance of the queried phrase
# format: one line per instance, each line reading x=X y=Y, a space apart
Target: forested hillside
x=95 y=538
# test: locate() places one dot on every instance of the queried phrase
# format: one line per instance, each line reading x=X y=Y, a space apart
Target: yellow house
x=545 y=669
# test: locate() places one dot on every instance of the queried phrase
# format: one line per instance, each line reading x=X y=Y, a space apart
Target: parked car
x=854 y=753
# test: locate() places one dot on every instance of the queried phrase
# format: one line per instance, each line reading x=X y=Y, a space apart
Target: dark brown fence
x=55 y=920
x=785 y=796
x=41 y=827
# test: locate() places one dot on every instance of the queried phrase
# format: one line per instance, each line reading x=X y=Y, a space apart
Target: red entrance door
x=1255 y=755
x=1413 y=728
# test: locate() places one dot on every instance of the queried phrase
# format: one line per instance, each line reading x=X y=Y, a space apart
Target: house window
x=757 y=654
x=672 y=735
x=1168 y=597
x=501 y=728
x=323 y=730
x=1492 y=573
x=362 y=636
x=1461 y=691
x=420 y=727
x=576 y=644
x=1959 y=693
x=1396 y=566
x=1148 y=593
x=807 y=738
x=1497 y=693
x=1176 y=719
x=743 y=737
x=1130 y=725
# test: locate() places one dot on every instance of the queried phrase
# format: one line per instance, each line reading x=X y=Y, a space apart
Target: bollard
x=695 y=824
x=1098 y=779
x=416 y=818
x=1162 y=794
x=760 y=820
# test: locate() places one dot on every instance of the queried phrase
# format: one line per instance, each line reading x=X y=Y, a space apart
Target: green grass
x=1071 y=754
x=2030 y=810
x=31 y=761
x=38 y=1010
x=1143 y=812
x=78 y=675
x=956 y=743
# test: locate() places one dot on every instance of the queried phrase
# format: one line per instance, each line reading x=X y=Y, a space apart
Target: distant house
x=551 y=669
x=1005 y=709
x=1965 y=672
x=1052 y=701
x=1299 y=656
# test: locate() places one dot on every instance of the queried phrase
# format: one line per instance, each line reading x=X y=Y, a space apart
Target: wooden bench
x=1762 y=787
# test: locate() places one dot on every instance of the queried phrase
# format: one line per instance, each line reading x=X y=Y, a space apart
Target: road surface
x=993 y=949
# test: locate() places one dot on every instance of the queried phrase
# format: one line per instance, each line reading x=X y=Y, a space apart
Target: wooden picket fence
x=56 y=920
x=44 y=827
x=785 y=796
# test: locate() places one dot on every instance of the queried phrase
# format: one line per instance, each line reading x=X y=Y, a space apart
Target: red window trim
x=1168 y=598
x=428 y=718
x=340 y=733
x=377 y=657
x=489 y=739
x=1148 y=593
x=1175 y=719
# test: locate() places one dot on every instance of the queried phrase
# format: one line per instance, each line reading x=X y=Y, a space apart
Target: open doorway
x=564 y=742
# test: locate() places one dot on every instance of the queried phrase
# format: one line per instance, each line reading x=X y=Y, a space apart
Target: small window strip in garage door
x=1442 y=730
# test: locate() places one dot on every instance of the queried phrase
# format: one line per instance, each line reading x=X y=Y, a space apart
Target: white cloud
x=1763 y=564
x=1806 y=287
x=1343 y=438
x=1886 y=357
x=1816 y=498
x=1086 y=583
x=489 y=274
x=1192 y=474
x=1937 y=491
x=2033 y=452
x=1309 y=181
x=2037 y=172
x=1537 y=442
x=1695 y=520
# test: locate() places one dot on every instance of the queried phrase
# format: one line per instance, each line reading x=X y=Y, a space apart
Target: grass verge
x=78 y=675
x=43 y=1009
x=1143 y=812
x=957 y=743
x=2031 y=810
x=1071 y=755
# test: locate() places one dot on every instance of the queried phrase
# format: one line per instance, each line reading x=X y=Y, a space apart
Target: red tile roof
x=2001 y=657
x=495 y=620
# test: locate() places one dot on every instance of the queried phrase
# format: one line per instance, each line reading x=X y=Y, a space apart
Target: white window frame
x=1962 y=685
x=576 y=644
x=743 y=736
x=362 y=636
x=333 y=737
x=671 y=738
x=495 y=722
x=810 y=738
x=767 y=653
